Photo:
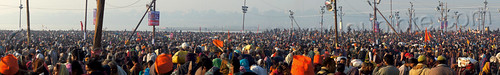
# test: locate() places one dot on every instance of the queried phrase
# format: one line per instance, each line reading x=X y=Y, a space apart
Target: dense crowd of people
x=270 y=52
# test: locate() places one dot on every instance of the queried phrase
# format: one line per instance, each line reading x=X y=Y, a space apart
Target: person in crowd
x=421 y=68
x=441 y=67
x=389 y=68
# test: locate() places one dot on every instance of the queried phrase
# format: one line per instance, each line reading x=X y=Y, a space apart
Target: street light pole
x=20 y=15
x=322 y=12
x=244 y=8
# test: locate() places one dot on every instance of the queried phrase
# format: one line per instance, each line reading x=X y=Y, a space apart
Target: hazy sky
x=218 y=14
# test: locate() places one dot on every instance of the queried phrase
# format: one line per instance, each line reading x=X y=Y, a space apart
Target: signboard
x=154 y=18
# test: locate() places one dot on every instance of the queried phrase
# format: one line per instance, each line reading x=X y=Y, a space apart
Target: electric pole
x=411 y=14
x=375 y=26
x=20 y=15
x=341 y=15
x=154 y=26
x=245 y=9
x=85 y=28
x=28 y=35
x=322 y=12
x=336 y=31
x=98 y=26
x=484 y=14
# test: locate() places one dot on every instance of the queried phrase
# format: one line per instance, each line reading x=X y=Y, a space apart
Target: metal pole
x=28 y=35
x=322 y=12
x=484 y=14
x=98 y=26
x=410 y=11
x=20 y=15
x=244 y=12
x=391 y=17
x=446 y=17
x=341 y=16
x=85 y=28
x=374 y=15
x=336 y=31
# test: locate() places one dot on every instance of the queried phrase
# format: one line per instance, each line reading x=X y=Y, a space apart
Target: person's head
x=330 y=64
x=113 y=67
x=389 y=60
x=441 y=60
x=340 y=67
x=76 y=68
x=422 y=59
x=343 y=60
x=366 y=68
x=94 y=65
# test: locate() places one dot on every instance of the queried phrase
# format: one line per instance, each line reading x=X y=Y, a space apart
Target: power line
x=110 y=5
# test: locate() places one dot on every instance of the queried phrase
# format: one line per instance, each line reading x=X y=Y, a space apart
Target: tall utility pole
x=392 y=18
x=341 y=15
x=244 y=8
x=322 y=12
x=291 y=21
x=375 y=29
x=396 y=14
x=154 y=26
x=20 y=11
x=456 y=20
x=411 y=14
x=336 y=31
x=484 y=13
x=85 y=28
x=98 y=26
x=443 y=8
x=28 y=35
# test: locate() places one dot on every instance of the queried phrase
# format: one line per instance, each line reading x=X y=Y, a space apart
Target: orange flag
x=8 y=65
x=218 y=43
x=302 y=65
x=427 y=39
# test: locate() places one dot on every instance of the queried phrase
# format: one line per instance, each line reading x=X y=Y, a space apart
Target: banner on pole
x=95 y=14
x=154 y=18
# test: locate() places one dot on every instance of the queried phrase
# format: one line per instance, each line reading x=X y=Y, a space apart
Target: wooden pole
x=387 y=22
x=98 y=26
x=154 y=26
x=28 y=35
x=336 y=31
x=142 y=18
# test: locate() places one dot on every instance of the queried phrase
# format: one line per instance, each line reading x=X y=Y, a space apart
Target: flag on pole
x=81 y=25
x=428 y=36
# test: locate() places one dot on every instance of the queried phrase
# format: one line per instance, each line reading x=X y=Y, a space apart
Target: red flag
x=81 y=25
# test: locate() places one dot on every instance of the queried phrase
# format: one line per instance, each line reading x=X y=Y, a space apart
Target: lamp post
x=20 y=15
x=244 y=8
